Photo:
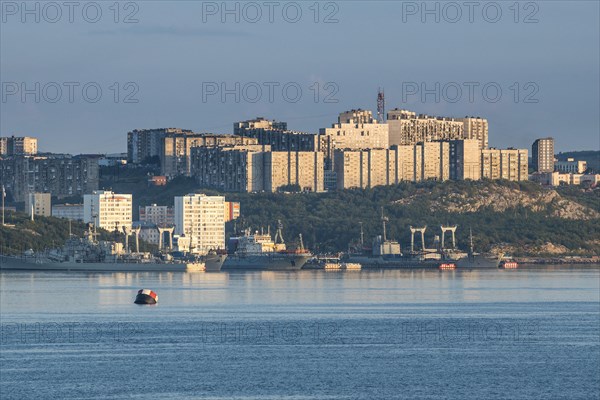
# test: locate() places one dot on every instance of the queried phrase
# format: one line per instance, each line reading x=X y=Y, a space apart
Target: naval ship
x=477 y=260
x=259 y=251
x=89 y=254
x=385 y=253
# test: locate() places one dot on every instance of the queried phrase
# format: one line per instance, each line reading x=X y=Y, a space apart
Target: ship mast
x=362 y=236
x=384 y=219
x=471 y=239
x=278 y=234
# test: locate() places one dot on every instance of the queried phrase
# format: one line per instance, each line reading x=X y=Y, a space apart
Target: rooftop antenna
x=381 y=106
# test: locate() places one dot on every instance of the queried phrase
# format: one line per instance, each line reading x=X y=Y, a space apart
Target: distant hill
x=591 y=157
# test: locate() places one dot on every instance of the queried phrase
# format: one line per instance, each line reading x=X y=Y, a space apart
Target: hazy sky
x=179 y=55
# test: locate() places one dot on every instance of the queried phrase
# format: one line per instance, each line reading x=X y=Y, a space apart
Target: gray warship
x=88 y=254
x=259 y=251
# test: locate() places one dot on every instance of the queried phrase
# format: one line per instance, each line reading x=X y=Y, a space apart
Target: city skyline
x=175 y=66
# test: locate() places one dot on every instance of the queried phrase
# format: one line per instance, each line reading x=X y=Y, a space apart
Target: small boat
x=146 y=296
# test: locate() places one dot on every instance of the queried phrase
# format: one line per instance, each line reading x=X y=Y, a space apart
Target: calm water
x=524 y=334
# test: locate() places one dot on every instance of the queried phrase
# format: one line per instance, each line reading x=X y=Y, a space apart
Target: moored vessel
x=90 y=255
x=258 y=251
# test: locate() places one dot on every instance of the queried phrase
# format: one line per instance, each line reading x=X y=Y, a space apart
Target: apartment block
x=38 y=204
x=237 y=168
x=305 y=169
x=542 y=155
x=434 y=161
x=465 y=159
x=18 y=146
x=176 y=154
x=60 y=175
x=143 y=144
x=240 y=128
x=510 y=164
x=355 y=130
x=476 y=128
x=231 y=210
x=108 y=210
x=408 y=128
x=74 y=212
x=201 y=218
x=247 y=168
x=157 y=215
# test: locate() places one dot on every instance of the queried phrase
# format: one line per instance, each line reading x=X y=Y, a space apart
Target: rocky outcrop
x=501 y=198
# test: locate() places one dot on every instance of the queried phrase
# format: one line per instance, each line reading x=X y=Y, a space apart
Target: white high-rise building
x=201 y=218
x=108 y=210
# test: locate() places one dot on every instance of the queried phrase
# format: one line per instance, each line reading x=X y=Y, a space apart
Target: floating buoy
x=146 y=296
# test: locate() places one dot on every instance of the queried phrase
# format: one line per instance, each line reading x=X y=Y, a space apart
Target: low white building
x=108 y=210
x=571 y=166
x=73 y=212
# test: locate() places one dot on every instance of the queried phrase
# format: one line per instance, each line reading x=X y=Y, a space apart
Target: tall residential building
x=465 y=160
x=376 y=167
x=355 y=130
x=201 y=218
x=276 y=135
x=39 y=204
x=232 y=210
x=175 y=158
x=108 y=210
x=254 y=168
x=240 y=128
x=510 y=164
x=18 y=146
x=302 y=168
x=476 y=128
x=143 y=144
x=60 y=175
x=542 y=155
x=408 y=128
x=229 y=169
x=73 y=212
x=434 y=161
x=157 y=215
x=571 y=166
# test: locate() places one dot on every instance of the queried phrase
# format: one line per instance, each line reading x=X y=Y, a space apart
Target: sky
x=79 y=77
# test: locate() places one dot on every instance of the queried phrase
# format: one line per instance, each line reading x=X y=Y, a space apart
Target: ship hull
x=214 y=262
x=268 y=262
x=478 y=262
x=37 y=264
x=393 y=262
